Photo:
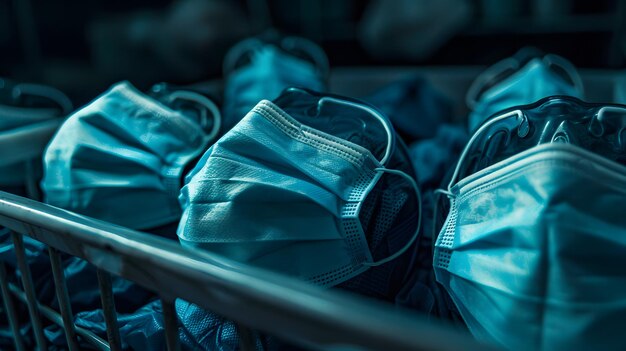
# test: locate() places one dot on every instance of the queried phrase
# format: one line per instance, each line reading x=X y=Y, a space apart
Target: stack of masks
x=121 y=158
x=125 y=151
x=297 y=186
x=530 y=249
x=321 y=188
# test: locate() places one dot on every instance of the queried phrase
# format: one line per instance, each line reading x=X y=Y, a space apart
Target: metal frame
x=292 y=310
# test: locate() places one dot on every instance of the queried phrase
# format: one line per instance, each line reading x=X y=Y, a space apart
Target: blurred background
x=83 y=46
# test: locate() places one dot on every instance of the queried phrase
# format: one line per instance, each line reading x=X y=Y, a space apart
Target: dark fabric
x=435 y=159
x=416 y=109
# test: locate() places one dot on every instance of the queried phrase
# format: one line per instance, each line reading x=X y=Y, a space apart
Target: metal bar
x=10 y=309
x=88 y=336
x=29 y=290
x=171 y=324
x=108 y=307
x=246 y=340
x=274 y=304
x=63 y=299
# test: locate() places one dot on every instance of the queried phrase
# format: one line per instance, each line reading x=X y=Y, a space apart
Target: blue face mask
x=531 y=242
x=29 y=116
x=121 y=159
x=280 y=194
x=537 y=79
x=270 y=70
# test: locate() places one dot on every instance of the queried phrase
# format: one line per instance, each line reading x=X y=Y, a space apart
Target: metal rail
x=287 y=308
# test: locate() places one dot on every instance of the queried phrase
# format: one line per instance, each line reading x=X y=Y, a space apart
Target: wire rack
x=255 y=299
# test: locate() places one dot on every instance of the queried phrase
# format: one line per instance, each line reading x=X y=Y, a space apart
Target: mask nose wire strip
x=419 y=218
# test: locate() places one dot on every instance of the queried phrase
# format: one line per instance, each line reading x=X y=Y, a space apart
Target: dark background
x=82 y=46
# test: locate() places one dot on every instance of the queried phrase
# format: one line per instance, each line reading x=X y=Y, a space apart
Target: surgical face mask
x=29 y=116
x=291 y=197
x=121 y=158
x=511 y=83
x=527 y=248
x=269 y=70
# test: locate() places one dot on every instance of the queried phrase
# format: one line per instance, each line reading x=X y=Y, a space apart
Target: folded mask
x=121 y=159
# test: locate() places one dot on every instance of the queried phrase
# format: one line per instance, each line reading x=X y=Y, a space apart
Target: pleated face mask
x=511 y=83
x=29 y=116
x=121 y=158
x=532 y=247
x=283 y=195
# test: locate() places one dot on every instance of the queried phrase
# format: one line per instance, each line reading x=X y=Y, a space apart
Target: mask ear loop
x=418 y=193
x=236 y=52
x=206 y=102
x=471 y=98
x=383 y=161
x=568 y=68
x=448 y=192
x=518 y=114
x=370 y=111
x=315 y=53
x=47 y=92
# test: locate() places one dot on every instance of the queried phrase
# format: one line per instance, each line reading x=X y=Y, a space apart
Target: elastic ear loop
x=448 y=192
x=235 y=52
x=370 y=111
x=315 y=52
x=206 y=102
x=471 y=98
x=418 y=193
x=50 y=93
x=389 y=133
x=517 y=113
x=568 y=68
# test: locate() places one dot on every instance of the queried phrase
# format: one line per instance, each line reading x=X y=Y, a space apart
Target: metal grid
x=256 y=299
